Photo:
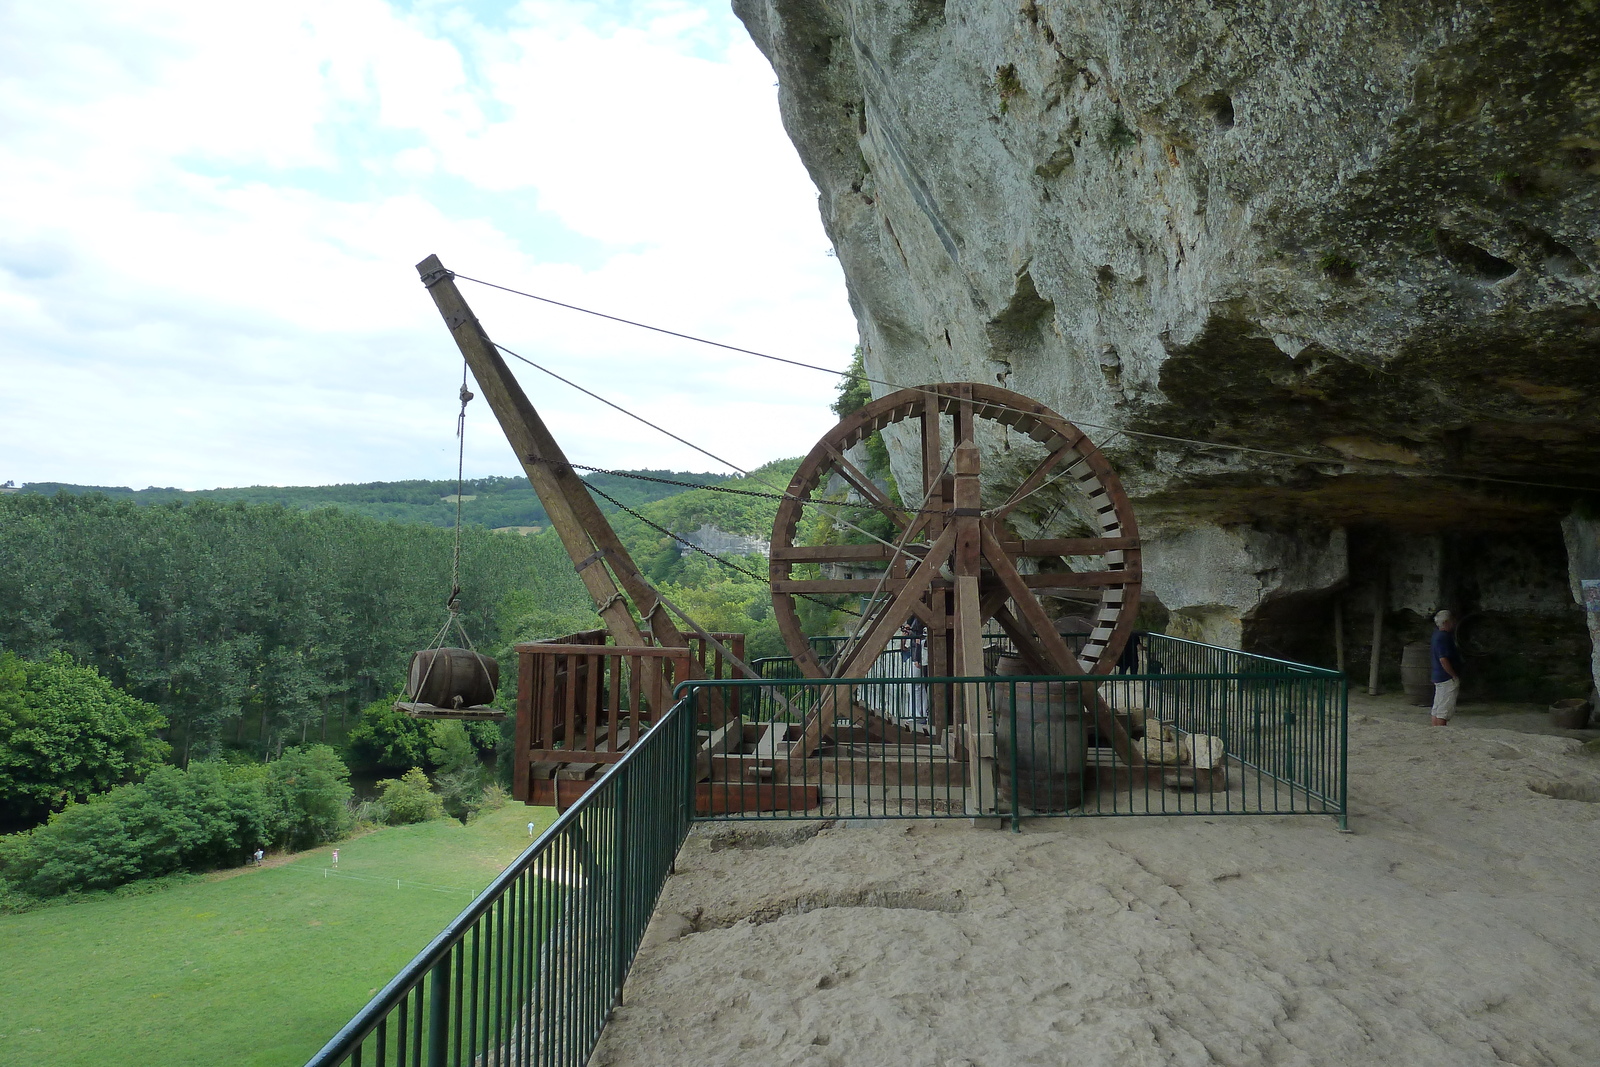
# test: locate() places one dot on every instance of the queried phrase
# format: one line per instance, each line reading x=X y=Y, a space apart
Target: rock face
x=1362 y=234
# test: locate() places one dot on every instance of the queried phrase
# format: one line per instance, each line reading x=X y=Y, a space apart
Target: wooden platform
x=476 y=713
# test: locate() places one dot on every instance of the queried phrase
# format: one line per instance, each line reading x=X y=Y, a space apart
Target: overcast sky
x=210 y=215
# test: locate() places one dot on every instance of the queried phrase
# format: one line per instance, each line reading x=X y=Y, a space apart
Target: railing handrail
x=697 y=683
x=399 y=987
x=1293 y=667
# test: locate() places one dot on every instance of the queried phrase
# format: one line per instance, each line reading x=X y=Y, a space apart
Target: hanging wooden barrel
x=1416 y=673
x=1047 y=747
x=452 y=678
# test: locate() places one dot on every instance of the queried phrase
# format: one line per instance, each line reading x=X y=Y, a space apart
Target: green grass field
x=260 y=966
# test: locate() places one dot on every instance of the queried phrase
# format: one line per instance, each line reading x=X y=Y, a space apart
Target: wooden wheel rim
x=1068 y=449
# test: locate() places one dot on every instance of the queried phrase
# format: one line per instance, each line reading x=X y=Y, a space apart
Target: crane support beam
x=578 y=520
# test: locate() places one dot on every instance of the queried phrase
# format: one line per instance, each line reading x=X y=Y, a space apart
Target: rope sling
x=484 y=680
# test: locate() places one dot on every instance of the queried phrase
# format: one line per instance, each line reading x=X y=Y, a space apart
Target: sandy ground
x=1458 y=924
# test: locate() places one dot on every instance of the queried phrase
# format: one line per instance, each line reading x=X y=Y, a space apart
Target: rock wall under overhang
x=1362 y=233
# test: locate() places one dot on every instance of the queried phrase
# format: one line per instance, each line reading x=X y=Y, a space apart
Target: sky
x=210 y=216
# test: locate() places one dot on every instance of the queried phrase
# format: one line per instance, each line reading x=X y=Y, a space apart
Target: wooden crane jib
x=636 y=616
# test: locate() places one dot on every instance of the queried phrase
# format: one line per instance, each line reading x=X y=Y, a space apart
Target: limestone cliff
x=1362 y=232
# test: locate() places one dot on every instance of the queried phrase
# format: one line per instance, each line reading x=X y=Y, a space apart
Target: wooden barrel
x=1416 y=673
x=1048 y=746
x=452 y=678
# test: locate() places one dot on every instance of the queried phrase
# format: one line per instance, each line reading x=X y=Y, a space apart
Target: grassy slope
x=258 y=968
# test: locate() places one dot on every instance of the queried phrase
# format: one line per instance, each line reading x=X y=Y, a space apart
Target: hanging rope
x=453 y=602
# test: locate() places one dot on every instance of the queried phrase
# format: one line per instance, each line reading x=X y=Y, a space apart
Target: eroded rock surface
x=1361 y=232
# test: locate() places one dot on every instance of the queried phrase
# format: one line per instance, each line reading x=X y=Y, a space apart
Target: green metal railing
x=529 y=972
x=1230 y=733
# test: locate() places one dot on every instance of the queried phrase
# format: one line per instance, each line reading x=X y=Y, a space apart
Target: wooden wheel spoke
x=1036 y=479
x=1055 y=649
x=864 y=485
x=953 y=594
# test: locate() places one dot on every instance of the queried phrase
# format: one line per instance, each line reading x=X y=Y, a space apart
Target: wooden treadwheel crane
x=953 y=564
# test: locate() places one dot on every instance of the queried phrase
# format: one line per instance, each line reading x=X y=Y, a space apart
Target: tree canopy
x=65 y=733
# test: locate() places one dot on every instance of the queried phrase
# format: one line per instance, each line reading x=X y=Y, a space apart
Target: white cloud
x=209 y=216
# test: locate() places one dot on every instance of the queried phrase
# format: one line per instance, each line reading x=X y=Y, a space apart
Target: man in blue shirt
x=1446 y=662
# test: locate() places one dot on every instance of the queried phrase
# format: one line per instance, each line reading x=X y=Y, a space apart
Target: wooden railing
x=581 y=703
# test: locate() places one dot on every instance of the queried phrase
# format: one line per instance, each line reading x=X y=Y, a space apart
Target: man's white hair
x=1441 y=617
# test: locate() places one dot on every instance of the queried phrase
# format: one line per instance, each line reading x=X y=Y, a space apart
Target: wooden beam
x=834 y=553
x=1057 y=653
x=864 y=485
x=884 y=627
x=846 y=585
x=1036 y=479
x=581 y=525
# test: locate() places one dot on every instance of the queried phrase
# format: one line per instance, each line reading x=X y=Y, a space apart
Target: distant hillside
x=492 y=502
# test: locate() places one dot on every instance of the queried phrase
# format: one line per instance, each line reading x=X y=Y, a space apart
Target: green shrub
x=312 y=787
x=67 y=733
x=212 y=815
x=388 y=738
x=410 y=798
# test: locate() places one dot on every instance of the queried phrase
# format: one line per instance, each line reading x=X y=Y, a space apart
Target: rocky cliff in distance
x=1362 y=232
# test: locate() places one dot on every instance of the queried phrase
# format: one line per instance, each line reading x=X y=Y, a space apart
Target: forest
x=186 y=677
x=152 y=654
x=495 y=502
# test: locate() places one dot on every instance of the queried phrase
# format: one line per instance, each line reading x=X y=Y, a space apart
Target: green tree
x=410 y=798
x=387 y=737
x=312 y=788
x=65 y=733
x=211 y=815
x=460 y=777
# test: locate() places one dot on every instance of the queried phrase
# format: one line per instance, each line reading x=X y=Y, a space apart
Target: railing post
x=439 y=1012
x=620 y=922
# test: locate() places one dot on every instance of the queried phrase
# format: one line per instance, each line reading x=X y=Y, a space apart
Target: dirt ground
x=1458 y=924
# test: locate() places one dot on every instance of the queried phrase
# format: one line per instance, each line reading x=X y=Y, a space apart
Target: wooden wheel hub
x=952 y=557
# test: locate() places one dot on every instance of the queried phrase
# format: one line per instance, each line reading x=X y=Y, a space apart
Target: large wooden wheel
x=954 y=558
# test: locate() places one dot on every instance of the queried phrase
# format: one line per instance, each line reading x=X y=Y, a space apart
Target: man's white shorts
x=1444 y=698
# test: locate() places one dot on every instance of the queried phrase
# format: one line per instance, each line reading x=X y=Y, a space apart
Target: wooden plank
x=478 y=712
x=889 y=772
x=833 y=553
x=635 y=688
x=613 y=693
x=592 y=668
x=725 y=738
x=740 y=767
x=526 y=674
x=722 y=798
x=574 y=756
x=850 y=585
x=559 y=793
x=570 y=726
